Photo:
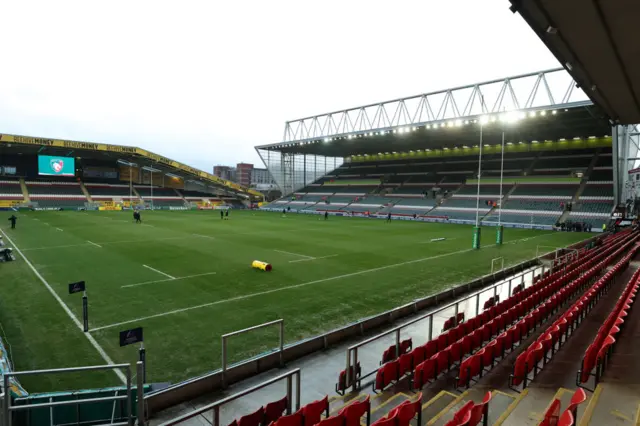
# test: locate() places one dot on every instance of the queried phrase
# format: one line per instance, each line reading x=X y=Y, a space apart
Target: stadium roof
x=141 y=157
x=597 y=42
x=536 y=106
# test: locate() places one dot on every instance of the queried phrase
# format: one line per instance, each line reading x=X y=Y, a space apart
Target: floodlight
x=532 y=114
x=327 y=139
x=543 y=113
x=554 y=112
x=484 y=120
x=442 y=124
x=450 y=124
x=458 y=123
x=428 y=126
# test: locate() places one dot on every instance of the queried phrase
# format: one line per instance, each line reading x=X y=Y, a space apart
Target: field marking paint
x=160 y=272
x=295 y=254
x=54 y=247
x=205 y=236
x=89 y=337
x=92 y=243
x=313 y=258
x=59 y=229
x=275 y=290
x=168 y=279
x=436 y=240
x=106 y=242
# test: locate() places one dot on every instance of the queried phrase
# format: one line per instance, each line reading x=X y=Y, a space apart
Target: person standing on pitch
x=389 y=217
x=226 y=215
x=326 y=215
x=221 y=214
x=13 y=219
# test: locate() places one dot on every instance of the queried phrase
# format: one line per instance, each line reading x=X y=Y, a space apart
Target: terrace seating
x=426 y=202
x=553 y=417
x=542 y=190
x=598 y=190
x=494 y=190
x=603 y=174
x=274 y=414
x=54 y=189
x=145 y=192
x=598 y=353
x=525 y=204
x=465 y=203
x=472 y=414
x=569 y=162
x=595 y=220
x=102 y=191
x=10 y=189
x=158 y=202
x=69 y=203
x=544 y=348
x=594 y=207
x=532 y=217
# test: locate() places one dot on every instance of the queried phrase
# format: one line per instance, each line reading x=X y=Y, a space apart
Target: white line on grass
x=275 y=290
x=89 y=337
x=313 y=258
x=55 y=247
x=205 y=236
x=92 y=243
x=168 y=279
x=160 y=272
x=59 y=229
x=106 y=242
x=295 y=254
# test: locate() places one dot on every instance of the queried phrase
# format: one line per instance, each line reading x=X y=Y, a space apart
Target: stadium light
x=173 y=176
x=428 y=126
x=554 y=112
x=543 y=113
x=126 y=163
x=532 y=114
x=458 y=123
x=327 y=139
x=484 y=120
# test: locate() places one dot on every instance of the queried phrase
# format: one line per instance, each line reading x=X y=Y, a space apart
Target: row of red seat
x=491 y=323
x=273 y=414
x=350 y=415
x=597 y=353
x=528 y=361
x=403 y=414
x=569 y=417
x=472 y=414
x=484 y=359
x=394 y=369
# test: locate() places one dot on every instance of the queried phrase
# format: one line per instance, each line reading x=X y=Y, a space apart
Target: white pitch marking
x=294 y=254
x=160 y=272
x=92 y=243
x=59 y=229
x=89 y=337
x=313 y=258
x=205 y=236
x=275 y=290
x=54 y=247
x=168 y=279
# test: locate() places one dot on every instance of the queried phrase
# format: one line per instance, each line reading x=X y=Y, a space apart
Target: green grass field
x=186 y=278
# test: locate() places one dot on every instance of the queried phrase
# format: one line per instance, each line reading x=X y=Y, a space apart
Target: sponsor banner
x=5 y=367
x=177 y=208
x=110 y=208
x=77 y=287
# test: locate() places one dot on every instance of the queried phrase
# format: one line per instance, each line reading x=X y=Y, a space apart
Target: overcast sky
x=204 y=82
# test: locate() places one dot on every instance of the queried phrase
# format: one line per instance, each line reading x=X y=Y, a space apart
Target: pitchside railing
x=352 y=351
x=215 y=406
x=225 y=337
x=9 y=407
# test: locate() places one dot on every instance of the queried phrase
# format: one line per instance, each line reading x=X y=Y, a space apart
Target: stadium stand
x=10 y=190
x=56 y=194
x=109 y=191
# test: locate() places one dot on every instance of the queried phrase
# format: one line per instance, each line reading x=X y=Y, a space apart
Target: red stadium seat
x=294 y=419
x=579 y=396
x=405 y=364
x=552 y=415
x=254 y=419
x=391 y=421
x=480 y=411
x=338 y=420
x=274 y=410
x=354 y=412
x=418 y=354
x=312 y=412
x=341 y=386
x=442 y=361
x=566 y=419
x=430 y=348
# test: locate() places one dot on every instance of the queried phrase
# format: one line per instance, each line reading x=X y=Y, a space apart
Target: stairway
x=85 y=192
x=25 y=191
x=532 y=165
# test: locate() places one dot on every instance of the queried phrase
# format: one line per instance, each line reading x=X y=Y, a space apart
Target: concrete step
x=612 y=404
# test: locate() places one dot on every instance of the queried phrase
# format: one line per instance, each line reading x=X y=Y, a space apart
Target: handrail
x=215 y=406
x=351 y=381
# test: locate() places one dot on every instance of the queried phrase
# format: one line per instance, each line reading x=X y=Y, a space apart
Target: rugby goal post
x=279 y=323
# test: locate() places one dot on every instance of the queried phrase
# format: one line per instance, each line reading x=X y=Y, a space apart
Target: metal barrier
x=215 y=406
x=8 y=408
x=353 y=382
x=280 y=323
